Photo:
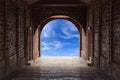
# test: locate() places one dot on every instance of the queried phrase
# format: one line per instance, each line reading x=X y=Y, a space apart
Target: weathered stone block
x=12 y=64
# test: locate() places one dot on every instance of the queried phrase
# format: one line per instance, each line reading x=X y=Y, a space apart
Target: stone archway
x=36 y=40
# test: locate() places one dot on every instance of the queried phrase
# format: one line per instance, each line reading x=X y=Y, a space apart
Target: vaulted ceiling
x=30 y=2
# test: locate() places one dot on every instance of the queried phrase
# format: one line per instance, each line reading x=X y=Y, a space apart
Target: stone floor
x=59 y=68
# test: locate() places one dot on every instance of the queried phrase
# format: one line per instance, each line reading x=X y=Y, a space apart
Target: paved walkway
x=59 y=68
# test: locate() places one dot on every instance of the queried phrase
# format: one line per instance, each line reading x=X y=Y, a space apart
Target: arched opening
x=60 y=37
x=36 y=38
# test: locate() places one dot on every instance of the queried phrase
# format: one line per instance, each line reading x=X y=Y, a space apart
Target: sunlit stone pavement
x=59 y=68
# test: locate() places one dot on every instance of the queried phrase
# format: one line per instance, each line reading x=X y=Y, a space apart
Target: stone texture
x=39 y=14
x=2 y=42
x=12 y=30
x=21 y=19
x=116 y=31
x=116 y=39
x=83 y=45
x=1 y=29
x=96 y=38
x=12 y=63
x=105 y=35
x=36 y=50
x=10 y=45
x=59 y=68
x=89 y=32
x=106 y=44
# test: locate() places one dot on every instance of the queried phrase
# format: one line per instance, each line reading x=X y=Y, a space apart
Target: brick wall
x=2 y=60
x=96 y=32
x=1 y=28
x=36 y=50
x=28 y=32
x=13 y=28
x=83 y=45
x=106 y=36
x=40 y=13
x=21 y=27
x=10 y=34
x=116 y=39
x=89 y=33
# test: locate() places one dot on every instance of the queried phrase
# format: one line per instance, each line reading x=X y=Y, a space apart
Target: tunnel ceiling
x=30 y=2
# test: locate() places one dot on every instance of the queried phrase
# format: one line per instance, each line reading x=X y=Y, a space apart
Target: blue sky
x=60 y=37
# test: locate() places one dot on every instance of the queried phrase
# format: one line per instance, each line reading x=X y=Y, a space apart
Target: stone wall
x=12 y=36
x=36 y=43
x=21 y=33
x=40 y=13
x=28 y=36
x=83 y=45
x=89 y=34
x=115 y=39
x=105 y=54
x=106 y=36
x=2 y=20
x=96 y=33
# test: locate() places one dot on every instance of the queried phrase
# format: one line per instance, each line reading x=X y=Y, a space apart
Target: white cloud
x=53 y=45
x=70 y=26
x=57 y=44
x=46 y=48
x=48 y=31
x=70 y=36
x=68 y=32
x=75 y=35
